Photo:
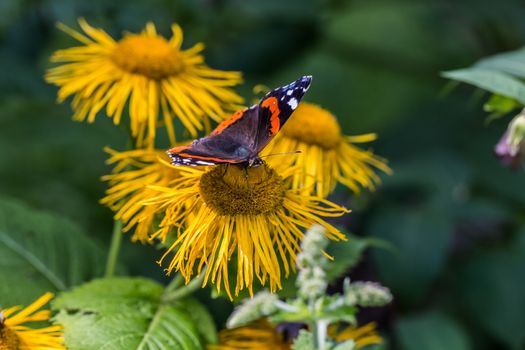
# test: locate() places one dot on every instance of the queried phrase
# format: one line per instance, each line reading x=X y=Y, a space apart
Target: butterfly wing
x=241 y=137
x=276 y=108
x=231 y=142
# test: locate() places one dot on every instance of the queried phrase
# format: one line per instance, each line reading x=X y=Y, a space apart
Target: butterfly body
x=240 y=139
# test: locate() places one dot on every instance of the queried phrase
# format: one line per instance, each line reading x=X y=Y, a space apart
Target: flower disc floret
x=151 y=77
x=314 y=125
x=8 y=339
x=216 y=216
x=150 y=56
x=18 y=333
x=326 y=156
x=237 y=190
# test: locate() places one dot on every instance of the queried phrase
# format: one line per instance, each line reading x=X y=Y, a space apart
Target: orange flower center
x=150 y=56
x=313 y=125
x=236 y=190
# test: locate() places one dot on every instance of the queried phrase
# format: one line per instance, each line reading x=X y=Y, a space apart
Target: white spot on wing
x=292 y=103
x=200 y=162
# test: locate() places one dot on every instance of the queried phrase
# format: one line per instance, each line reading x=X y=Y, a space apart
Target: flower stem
x=175 y=283
x=114 y=249
x=172 y=294
x=320 y=333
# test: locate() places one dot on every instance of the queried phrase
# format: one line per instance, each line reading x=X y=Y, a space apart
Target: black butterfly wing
x=241 y=137
x=232 y=141
x=276 y=108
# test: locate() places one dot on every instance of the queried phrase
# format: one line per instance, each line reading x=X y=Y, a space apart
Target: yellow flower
x=14 y=335
x=258 y=335
x=262 y=335
x=214 y=215
x=134 y=172
x=362 y=336
x=327 y=157
x=159 y=79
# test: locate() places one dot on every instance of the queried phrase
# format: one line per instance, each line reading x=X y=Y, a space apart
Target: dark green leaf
x=346 y=255
x=430 y=331
x=421 y=237
x=493 y=290
x=40 y=252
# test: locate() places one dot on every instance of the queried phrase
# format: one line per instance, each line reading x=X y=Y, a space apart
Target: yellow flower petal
x=326 y=156
x=148 y=73
x=16 y=335
x=213 y=217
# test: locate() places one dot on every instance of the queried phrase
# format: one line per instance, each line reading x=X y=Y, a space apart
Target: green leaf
x=494 y=81
x=430 y=331
x=342 y=314
x=499 y=105
x=421 y=236
x=347 y=345
x=201 y=318
x=492 y=290
x=347 y=254
x=41 y=252
x=304 y=341
x=512 y=62
x=127 y=313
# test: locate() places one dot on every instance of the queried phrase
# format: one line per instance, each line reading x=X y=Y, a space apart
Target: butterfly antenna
x=280 y=154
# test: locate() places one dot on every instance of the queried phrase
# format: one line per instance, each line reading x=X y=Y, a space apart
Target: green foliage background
x=454 y=217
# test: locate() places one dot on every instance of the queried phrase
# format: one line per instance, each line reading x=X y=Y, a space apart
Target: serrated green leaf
x=494 y=81
x=41 y=252
x=343 y=313
x=304 y=341
x=124 y=314
x=201 y=318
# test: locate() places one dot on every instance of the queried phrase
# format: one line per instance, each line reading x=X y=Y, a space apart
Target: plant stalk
x=172 y=294
x=114 y=249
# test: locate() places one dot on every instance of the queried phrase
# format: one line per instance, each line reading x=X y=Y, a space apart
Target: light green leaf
x=127 y=313
x=499 y=106
x=512 y=62
x=304 y=341
x=347 y=345
x=40 y=252
x=201 y=318
x=494 y=81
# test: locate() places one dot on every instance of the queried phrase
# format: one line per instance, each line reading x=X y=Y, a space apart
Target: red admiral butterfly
x=239 y=139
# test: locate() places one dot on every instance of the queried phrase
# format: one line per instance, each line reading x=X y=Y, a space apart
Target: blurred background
x=453 y=215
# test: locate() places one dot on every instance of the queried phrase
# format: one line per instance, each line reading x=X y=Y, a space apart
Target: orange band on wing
x=275 y=122
x=236 y=116
x=177 y=149
x=219 y=160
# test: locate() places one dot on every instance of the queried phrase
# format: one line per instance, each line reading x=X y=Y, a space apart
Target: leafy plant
x=42 y=252
x=129 y=313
